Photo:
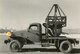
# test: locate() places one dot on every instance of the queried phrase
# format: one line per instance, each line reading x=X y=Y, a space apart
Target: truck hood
x=20 y=33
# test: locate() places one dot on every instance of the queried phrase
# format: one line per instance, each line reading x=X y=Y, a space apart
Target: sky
x=18 y=14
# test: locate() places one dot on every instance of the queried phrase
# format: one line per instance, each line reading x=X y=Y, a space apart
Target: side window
x=33 y=27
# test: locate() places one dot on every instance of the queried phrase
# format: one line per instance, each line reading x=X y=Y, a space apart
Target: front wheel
x=15 y=45
x=65 y=46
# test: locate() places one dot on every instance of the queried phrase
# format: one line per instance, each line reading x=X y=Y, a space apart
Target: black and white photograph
x=39 y=27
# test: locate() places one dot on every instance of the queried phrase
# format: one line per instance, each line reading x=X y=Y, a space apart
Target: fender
x=73 y=41
x=22 y=40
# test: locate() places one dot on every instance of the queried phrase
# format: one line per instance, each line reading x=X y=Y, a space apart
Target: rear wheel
x=65 y=46
x=15 y=46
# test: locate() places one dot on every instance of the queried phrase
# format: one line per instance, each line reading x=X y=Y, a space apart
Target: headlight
x=8 y=34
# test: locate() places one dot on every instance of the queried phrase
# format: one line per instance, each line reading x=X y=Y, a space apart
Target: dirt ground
x=33 y=49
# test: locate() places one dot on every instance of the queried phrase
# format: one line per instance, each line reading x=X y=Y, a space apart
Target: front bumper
x=6 y=41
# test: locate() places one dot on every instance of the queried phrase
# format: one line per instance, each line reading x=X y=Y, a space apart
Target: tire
x=65 y=47
x=15 y=46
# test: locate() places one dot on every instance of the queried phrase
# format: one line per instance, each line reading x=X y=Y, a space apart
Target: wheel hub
x=14 y=46
x=65 y=46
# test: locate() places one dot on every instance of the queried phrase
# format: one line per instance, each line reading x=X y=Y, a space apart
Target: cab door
x=33 y=33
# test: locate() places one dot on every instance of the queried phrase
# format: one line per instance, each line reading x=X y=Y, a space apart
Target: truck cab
x=34 y=30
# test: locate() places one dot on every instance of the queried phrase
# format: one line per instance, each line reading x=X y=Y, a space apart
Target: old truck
x=52 y=36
